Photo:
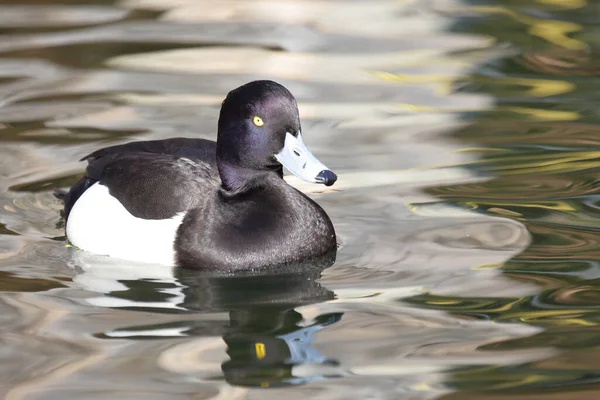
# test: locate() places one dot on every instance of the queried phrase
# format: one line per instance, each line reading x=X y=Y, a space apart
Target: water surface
x=464 y=135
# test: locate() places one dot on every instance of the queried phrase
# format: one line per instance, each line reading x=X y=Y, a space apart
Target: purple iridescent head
x=259 y=130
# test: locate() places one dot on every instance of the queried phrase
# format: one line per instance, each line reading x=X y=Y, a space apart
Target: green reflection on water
x=540 y=143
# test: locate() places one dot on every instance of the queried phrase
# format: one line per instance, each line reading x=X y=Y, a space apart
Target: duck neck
x=236 y=179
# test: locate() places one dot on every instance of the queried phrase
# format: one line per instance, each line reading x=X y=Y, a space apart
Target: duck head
x=259 y=132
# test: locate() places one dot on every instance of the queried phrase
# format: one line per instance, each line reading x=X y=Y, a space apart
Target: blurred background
x=464 y=133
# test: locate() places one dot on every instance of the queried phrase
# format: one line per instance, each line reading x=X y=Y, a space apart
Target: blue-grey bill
x=297 y=159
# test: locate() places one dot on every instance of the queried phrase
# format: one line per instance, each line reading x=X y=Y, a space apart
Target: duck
x=201 y=204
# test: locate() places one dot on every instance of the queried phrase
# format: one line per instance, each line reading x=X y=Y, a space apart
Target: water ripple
x=412 y=307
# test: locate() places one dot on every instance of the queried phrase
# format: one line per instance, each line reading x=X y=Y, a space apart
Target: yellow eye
x=258 y=121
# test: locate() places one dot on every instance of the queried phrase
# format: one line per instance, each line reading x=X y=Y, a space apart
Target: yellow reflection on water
x=552 y=31
x=537 y=87
x=566 y=4
x=543 y=115
x=547 y=205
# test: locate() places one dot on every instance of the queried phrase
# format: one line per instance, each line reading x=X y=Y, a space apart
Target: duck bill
x=297 y=159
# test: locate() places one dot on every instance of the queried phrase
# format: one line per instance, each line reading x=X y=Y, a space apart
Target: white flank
x=99 y=223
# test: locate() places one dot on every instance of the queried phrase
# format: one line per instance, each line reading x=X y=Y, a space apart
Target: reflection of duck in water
x=266 y=337
x=266 y=354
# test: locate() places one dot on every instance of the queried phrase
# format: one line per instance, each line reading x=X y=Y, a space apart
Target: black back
x=174 y=173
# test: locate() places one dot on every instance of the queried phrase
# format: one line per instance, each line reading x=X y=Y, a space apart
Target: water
x=464 y=135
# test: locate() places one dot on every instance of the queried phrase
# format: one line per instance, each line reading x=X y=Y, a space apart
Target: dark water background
x=465 y=134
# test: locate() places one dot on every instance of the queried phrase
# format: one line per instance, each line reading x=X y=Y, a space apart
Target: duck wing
x=194 y=149
x=149 y=185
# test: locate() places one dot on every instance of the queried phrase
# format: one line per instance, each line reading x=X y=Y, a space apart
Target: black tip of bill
x=326 y=177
